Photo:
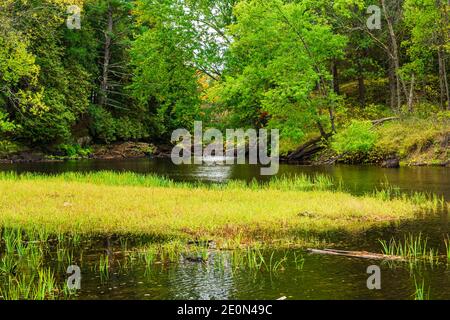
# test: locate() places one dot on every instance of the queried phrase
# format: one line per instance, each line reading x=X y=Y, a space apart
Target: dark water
x=322 y=277
x=358 y=179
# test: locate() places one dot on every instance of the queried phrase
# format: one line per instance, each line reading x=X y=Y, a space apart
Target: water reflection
x=358 y=179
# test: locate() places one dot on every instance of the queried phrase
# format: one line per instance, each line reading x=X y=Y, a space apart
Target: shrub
x=358 y=137
x=74 y=151
x=6 y=126
x=128 y=129
x=103 y=125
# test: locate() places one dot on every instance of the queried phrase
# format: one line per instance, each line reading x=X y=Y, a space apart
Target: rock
x=163 y=151
x=126 y=150
x=391 y=163
x=84 y=141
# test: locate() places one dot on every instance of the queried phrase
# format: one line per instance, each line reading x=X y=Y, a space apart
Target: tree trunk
x=443 y=39
x=392 y=85
x=361 y=86
x=411 y=95
x=103 y=99
x=336 y=77
x=400 y=84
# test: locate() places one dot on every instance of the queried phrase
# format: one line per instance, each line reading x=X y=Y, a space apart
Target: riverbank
x=300 y=211
x=391 y=143
x=394 y=143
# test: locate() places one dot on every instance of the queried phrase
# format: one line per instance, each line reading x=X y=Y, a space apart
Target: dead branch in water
x=357 y=254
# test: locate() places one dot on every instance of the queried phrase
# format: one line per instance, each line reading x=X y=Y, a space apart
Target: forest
x=343 y=80
x=92 y=207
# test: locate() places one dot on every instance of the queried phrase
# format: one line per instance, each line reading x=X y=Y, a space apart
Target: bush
x=127 y=129
x=6 y=126
x=358 y=137
x=103 y=125
x=106 y=128
x=74 y=151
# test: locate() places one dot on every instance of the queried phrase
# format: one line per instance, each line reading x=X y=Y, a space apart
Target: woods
x=137 y=70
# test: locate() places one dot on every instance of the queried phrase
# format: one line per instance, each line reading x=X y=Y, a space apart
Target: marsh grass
x=71 y=207
x=413 y=247
x=39 y=286
x=103 y=267
x=426 y=200
x=420 y=292
x=301 y=182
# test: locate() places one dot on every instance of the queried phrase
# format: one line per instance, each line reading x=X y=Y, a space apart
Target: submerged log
x=357 y=254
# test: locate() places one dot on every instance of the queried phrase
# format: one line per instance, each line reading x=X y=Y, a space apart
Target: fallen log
x=381 y=121
x=357 y=254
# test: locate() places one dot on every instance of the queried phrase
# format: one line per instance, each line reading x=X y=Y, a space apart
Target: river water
x=358 y=179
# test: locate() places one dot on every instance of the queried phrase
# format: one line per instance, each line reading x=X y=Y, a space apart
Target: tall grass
x=301 y=182
x=420 y=292
x=412 y=247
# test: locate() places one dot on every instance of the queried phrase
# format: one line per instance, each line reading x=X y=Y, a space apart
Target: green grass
x=412 y=247
x=414 y=140
x=283 y=211
x=420 y=292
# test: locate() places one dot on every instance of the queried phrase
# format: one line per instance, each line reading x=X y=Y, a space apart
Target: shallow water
x=322 y=277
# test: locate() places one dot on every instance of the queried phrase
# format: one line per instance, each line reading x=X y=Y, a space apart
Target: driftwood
x=306 y=151
x=357 y=254
x=381 y=121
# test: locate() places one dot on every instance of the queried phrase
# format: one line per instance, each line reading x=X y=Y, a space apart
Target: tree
x=279 y=65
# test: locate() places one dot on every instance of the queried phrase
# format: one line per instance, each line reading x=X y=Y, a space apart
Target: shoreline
x=36 y=156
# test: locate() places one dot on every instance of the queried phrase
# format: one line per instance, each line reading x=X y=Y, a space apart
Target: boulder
x=391 y=163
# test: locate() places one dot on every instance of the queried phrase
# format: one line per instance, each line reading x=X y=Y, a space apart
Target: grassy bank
x=284 y=210
x=414 y=141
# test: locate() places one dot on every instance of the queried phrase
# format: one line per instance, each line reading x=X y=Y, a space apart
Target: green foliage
x=138 y=69
x=74 y=151
x=358 y=137
x=279 y=57
x=6 y=126
x=102 y=124
x=106 y=128
x=128 y=129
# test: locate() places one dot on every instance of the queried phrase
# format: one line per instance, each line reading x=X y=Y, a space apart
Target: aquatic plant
x=8 y=264
x=299 y=261
x=413 y=247
x=39 y=286
x=103 y=267
x=420 y=293
x=447 y=248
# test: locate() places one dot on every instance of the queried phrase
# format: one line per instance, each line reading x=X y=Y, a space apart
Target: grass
x=447 y=248
x=283 y=211
x=415 y=140
x=420 y=292
x=412 y=248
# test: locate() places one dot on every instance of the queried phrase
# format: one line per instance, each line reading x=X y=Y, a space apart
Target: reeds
x=420 y=293
x=412 y=247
